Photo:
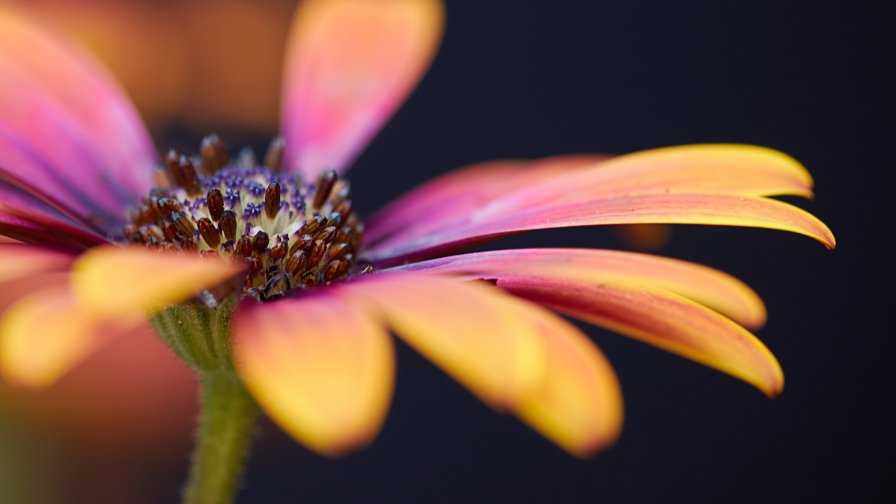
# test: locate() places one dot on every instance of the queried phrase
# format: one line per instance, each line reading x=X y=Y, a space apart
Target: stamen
x=215 y=203
x=209 y=233
x=272 y=200
x=214 y=153
x=228 y=225
x=260 y=241
x=273 y=159
x=325 y=183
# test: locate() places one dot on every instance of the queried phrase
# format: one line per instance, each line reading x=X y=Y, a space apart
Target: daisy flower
x=261 y=275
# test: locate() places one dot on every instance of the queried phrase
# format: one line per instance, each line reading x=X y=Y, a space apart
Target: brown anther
x=327 y=234
x=273 y=159
x=324 y=184
x=312 y=225
x=335 y=219
x=296 y=262
x=209 y=232
x=228 y=224
x=168 y=229
x=244 y=246
x=260 y=241
x=334 y=269
x=190 y=177
x=272 y=200
x=255 y=265
x=215 y=201
x=183 y=225
x=167 y=206
x=279 y=251
x=214 y=153
x=345 y=207
x=338 y=250
x=302 y=242
x=172 y=164
x=345 y=234
x=316 y=252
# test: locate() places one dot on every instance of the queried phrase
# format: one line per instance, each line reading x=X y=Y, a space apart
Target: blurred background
x=527 y=79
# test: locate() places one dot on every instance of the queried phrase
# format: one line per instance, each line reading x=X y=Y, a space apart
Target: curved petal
x=659 y=318
x=705 y=209
x=47 y=333
x=69 y=113
x=472 y=332
x=322 y=370
x=460 y=191
x=513 y=355
x=28 y=218
x=19 y=260
x=349 y=65
x=114 y=280
x=702 y=284
x=579 y=404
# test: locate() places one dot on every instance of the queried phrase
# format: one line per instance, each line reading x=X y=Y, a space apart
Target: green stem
x=226 y=424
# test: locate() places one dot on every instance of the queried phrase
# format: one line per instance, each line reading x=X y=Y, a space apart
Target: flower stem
x=226 y=424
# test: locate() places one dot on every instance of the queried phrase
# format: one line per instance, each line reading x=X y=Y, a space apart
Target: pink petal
x=71 y=119
x=24 y=215
x=321 y=369
x=707 y=286
x=659 y=318
x=459 y=191
x=706 y=209
x=19 y=260
x=349 y=65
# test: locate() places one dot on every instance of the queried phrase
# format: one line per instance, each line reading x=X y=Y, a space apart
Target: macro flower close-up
x=258 y=271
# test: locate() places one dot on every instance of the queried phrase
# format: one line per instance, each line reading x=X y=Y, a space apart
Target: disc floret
x=289 y=233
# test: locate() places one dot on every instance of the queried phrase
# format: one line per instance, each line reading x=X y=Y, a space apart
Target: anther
x=168 y=206
x=260 y=241
x=302 y=243
x=272 y=200
x=273 y=159
x=228 y=224
x=183 y=225
x=338 y=250
x=334 y=269
x=214 y=153
x=324 y=184
x=312 y=225
x=190 y=177
x=279 y=251
x=316 y=252
x=209 y=233
x=327 y=234
x=345 y=207
x=296 y=263
x=215 y=201
x=244 y=246
x=172 y=164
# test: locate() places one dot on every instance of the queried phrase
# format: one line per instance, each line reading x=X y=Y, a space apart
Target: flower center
x=289 y=233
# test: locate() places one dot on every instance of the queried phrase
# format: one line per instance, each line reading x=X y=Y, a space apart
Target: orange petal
x=322 y=370
x=118 y=280
x=579 y=404
x=662 y=319
x=349 y=65
x=702 y=284
x=18 y=260
x=474 y=333
x=46 y=334
x=704 y=209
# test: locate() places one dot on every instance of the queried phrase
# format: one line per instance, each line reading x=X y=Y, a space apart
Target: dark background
x=530 y=79
x=539 y=78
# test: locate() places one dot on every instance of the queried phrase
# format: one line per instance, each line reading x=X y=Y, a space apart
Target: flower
x=318 y=291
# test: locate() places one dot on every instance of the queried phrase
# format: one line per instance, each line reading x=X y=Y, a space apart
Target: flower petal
x=706 y=209
x=116 y=280
x=349 y=65
x=702 y=284
x=473 y=333
x=19 y=260
x=659 y=318
x=579 y=404
x=46 y=334
x=450 y=196
x=321 y=369
x=69 y=111
x=27 y=218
